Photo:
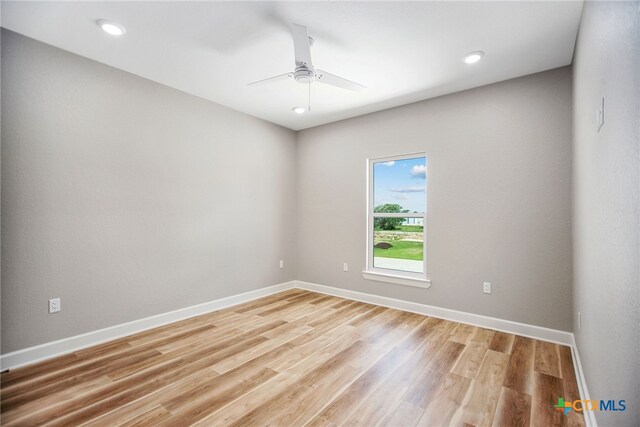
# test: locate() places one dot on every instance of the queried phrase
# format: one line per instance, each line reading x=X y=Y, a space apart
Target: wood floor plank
x=462 y=333
x=126 y=412
x=570 y=385
x=429 y=381
x=304 y=346
x=154 y=416
x=21 y=375
x=306 y=296
x=282 y=296
x=50 y=400
x=210 y=401
x=102 y=401
x=350 y=311
x=514 y=409
x=322 y=299
x=232 y=362
x=290 y=307
x=575 y=419
x=405 y=414
x=17 y=398
x=190 y=339
x=426 y=330
x=519 y=375
x=547 y=390
x=493 y=368
x=435 y=355
x=302 y=405
x=344 y=405
x=424 y=388
x=256 y=310
x=296 y=358
x=469 y=362
x=281 y=383
x=481 y=401
x=398 y=326
x=167 y=332
x=334 y=369
x=359 y=321
x=547 y=360
x=482 y=336
x=502 y=342
x=184 y=388
x=444 y=408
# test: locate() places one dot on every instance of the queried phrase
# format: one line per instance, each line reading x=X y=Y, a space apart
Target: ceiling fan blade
x=272 y=79
x=301 y=46
x=333 y=80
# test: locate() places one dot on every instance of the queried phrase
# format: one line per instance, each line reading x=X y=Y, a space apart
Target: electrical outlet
x=54 y=305
x=600 y=114
x=281 y=263
x=486 y=287
x=579 y=320
x=345 y=267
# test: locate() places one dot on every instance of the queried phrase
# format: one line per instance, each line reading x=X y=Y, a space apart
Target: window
x=396 y=220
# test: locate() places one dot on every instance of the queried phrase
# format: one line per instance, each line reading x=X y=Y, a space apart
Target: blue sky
x=402 y=182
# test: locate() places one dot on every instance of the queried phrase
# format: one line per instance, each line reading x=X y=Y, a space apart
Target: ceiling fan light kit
x=304 y=71
x=473 y=57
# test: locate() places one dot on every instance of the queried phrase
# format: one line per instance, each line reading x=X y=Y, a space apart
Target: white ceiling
x=402 y=51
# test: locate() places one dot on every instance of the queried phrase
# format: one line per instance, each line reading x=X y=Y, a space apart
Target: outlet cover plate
x=54 y=305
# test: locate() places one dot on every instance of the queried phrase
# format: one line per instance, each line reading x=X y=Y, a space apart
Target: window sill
x=398 y=280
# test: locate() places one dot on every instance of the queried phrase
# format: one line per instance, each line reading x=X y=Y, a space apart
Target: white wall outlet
x=600 y=114
x=486 y=287
x=345 y=267
x=54 y=305
x=579 y=320
x=281 y=263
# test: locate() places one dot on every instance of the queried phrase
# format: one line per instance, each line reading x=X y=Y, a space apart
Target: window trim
x=383 y=274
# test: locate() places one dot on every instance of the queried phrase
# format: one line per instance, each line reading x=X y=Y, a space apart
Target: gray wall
x=499 y=198
x=127 y=198
x=607 y=205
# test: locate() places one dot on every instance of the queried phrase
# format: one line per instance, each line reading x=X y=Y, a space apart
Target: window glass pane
x=400 y=186
x=398 y=244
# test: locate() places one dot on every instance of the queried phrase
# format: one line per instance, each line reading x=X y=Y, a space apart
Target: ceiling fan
x=304 y=72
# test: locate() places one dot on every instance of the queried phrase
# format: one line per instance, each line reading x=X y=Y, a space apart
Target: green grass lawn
x=414 y=228
x=402 y=250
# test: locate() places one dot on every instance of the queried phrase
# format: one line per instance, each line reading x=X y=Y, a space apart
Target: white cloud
x=419 y=171
x=391 y=163
x=413 y=189
x=401 y=197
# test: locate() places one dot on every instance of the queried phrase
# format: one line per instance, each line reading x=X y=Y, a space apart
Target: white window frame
x=399 y=277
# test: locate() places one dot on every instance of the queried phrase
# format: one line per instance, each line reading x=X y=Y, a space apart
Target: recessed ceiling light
x=110 y=27
x=299 y=110
x=473 y=57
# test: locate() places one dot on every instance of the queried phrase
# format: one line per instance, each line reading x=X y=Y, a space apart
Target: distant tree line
x=388 y=223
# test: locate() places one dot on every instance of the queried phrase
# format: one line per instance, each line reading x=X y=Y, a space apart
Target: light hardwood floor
x=300 y=358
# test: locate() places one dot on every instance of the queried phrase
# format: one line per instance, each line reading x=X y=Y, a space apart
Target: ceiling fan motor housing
x=303 y=75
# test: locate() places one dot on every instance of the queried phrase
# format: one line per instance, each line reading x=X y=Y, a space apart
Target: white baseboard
x=66 y=345
x=523 y=329
x=589 y=416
